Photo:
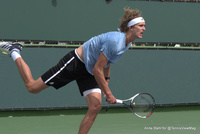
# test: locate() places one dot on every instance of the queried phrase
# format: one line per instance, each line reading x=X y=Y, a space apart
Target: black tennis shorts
x=68 y=69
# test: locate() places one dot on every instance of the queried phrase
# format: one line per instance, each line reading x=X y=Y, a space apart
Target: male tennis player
x=89 y=65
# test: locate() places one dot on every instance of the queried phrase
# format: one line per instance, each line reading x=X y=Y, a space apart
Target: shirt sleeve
x=110 y=51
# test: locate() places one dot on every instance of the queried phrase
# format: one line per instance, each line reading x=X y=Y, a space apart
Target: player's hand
x=111 y=99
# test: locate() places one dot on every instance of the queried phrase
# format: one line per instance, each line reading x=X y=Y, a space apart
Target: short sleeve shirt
x=112 y=44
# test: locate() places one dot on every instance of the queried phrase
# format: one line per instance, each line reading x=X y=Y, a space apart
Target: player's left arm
x=107 y=73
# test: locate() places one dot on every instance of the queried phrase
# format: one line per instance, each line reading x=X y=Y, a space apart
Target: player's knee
x=96 y=108
x=31 y=89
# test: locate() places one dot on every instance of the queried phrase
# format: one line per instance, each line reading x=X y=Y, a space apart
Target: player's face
x=139 y=29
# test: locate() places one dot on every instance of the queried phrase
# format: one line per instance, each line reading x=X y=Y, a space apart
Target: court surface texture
x=165 y=120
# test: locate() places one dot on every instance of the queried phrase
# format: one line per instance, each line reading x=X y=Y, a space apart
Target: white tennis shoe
x=8 y=48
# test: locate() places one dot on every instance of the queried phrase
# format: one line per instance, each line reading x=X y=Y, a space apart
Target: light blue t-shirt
x=112 y=44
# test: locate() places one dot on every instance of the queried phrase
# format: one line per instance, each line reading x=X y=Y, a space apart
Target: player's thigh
x=94 y=100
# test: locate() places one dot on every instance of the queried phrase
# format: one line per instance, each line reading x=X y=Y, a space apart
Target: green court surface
x=165 y=120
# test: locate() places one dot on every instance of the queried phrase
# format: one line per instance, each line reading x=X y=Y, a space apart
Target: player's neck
x=129 y=38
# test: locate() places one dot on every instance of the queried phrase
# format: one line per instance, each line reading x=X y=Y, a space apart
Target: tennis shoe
x=8 y=48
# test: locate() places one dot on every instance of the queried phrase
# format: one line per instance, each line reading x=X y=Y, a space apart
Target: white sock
x=15 y=55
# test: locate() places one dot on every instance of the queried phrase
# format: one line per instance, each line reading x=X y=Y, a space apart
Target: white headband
x=135 y=21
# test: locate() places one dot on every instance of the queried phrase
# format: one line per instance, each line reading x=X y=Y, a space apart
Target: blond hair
x=129 y=15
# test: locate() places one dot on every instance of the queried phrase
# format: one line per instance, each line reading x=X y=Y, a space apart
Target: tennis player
x=89 y=65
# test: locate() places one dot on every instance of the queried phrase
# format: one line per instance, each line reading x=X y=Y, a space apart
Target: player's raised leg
x=33 y=86
x=13 y=49
x=94 y=106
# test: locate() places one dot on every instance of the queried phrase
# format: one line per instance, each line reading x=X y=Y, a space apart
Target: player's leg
x=33 y=86
x=92 y=92
x=94 y=107
x=13 y=50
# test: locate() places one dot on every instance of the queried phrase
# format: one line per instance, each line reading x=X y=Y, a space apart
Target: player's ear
x=131 y=28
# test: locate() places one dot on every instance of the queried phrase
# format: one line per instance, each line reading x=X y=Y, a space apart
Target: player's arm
x=107 y=73
x=100 y=78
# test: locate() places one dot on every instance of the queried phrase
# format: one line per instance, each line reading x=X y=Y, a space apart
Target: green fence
x=171 y=76
x=79 y=20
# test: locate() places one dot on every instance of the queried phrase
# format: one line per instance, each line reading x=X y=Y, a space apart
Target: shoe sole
x=4 y=52
x=7 y=53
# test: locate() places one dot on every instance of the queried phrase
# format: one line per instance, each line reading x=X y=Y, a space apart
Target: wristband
x=107 y=78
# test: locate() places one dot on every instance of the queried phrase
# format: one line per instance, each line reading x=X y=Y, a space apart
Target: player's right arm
x=100 y=78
